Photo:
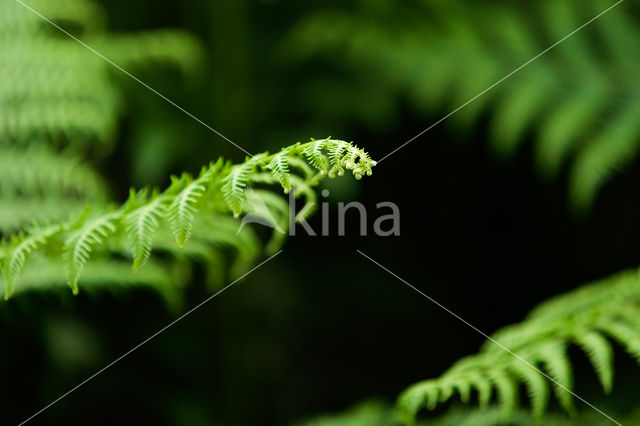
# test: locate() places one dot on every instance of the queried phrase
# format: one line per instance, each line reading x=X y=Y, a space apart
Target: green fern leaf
x=555 y=359
x=483 y=386
x=236 y=182
x=15 y=259
x=507 y=392
x=464 y=389
x=183 y=207
x=537 y=387
x=316 y=157
x=600 y=354
x=81 y=242
x=336 y=153
x=279 y=167
x=141 y=225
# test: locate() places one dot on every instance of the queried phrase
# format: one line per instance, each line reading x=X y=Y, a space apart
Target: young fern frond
x=188 y=206
x=316 y=156
x=335 y=156
x=589 y=318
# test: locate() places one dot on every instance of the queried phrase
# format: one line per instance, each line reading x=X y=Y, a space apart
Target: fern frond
x=589 y=317
x=52 y=90
x=59 y=102
x=193 y=208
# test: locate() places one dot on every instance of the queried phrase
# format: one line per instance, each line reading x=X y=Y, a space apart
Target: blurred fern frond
x=60 y=103
x=590 y=318
x=376 y=413
x=580 y=101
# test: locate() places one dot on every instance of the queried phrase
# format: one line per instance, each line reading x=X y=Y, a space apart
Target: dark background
x=319 y=327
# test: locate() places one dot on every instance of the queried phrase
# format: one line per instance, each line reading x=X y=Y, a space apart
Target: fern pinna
x=192 y=209
x=578 y=105
x=589 y=318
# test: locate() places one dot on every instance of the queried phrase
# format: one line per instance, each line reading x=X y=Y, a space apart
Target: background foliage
x=320 y=328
